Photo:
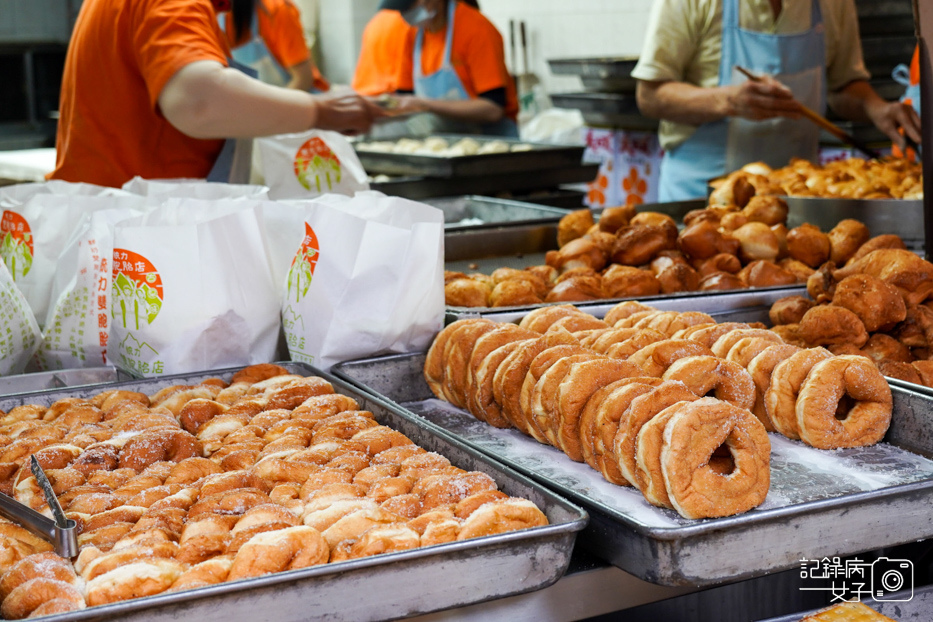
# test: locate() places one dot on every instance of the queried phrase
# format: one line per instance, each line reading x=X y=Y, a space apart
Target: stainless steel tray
x=493 y=183
x=919 y=607
x=821 y=503
x=902 y=217
x=382 y=587
x=606 y=109
x=39 y=381
x=612 y=73
x=540 y=157
x=478 y=212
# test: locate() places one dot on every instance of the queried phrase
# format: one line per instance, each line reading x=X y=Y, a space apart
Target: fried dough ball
x=577 y=289
x=514 y=293
x=702 y=215
x=611 y=219
x=809 y=245
x=721 y=281
x=574 y=225
x=466 y=292
x=638 y=244
x=579 y=253
x=756 y=241
x=910 y=274
x=762 y=273
x=736 y=189
x=879 y=242
x=628 y=281
x=916 y=331
x=732 y=221
x=821 y=285
x=879 y=305
x=799 y=269
x=789 y=310
x=826 y=325
x=881 y=347
x=899 y=370
x=678 y=277
x=703 y=240
x=846 y=238
x=723 y=262
x=770 y=210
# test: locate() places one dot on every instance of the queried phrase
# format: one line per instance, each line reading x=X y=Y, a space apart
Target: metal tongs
x=60 y=532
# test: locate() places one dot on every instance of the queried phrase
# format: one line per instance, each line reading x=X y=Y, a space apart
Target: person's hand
x=346 y=112
x=762 y=100
x=891 y=117
x=400 y=105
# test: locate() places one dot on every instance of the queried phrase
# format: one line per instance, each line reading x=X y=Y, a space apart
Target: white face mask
x=418 y=16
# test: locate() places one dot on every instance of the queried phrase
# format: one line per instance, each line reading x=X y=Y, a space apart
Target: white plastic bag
x=192 y=290
x=32 y=236
x=194 y=189
x=368 y=278
x=77 y=327
x=19 y=332
x=309 y=164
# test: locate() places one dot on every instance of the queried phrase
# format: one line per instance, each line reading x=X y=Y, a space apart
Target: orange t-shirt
x=280 y=28
x=120 y=57
x=478 y=57
x=381 y=53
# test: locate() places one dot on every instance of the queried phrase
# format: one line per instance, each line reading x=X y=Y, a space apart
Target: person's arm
x=682 y=102
x=858 y=101
x=204 y=99
x=301 y=76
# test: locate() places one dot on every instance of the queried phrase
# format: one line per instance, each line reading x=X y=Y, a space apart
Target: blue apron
x=234 y=162
x=798 y=61
x=901 y=75
x=445 y=84
x=255 y=54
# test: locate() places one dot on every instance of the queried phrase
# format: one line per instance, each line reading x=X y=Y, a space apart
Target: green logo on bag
x=136 y=294
x=302 y=269
x=16 y=244
x=316 y=163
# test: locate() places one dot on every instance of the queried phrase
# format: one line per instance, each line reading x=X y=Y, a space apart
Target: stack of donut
x=875 y=304
x=673 y=403
x=197 y=485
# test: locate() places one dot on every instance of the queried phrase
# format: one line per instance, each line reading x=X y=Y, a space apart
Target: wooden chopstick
x=822 y=121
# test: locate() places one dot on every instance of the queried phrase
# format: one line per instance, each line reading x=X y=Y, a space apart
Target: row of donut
x=316 y=480
x=588 y=386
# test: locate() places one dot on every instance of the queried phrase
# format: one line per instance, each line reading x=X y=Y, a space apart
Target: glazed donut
x=134 y=580
x=639 y=412
x=655 y=358
x=625 y=309
x=786 y=379
x=708 y=375
x=579 y=384
x=725 y=343
x=691 y=437
x=47 y=565
x=747 y=349
x=29 y=596
x=501 y=516
x=209 y=572
x=626 y=348
x=844 y=402
x=600 y=423
x=157 y=445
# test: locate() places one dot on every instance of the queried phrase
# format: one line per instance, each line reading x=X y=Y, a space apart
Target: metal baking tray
x=612 y=73
x=901 y=606
x=903 y=217
x=39 y=381
x=821 y=503
x=387 y=586
x=478 y=212
x=541 y=156
x=606 y=109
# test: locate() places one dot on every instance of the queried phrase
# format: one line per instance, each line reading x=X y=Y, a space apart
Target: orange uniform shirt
x=121 y=55
x=478 y=56
x=381 y=54
x=280 y=27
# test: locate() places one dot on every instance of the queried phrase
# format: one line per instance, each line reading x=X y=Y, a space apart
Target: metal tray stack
x=903 y=217
x=387 y=586
x=39 y=381
x=472 y=212
x=821 y=503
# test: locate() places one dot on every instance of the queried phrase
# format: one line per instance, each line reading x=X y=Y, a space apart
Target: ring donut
x=160 y=444
x=761 y=368
x=691 y=437
x=457 y=355
x=786 y=379
x=708 y=375
x=628 y=347
x=641 y=410
x=625 y=309
x=747 y=349
x=435 y=363
x=649 y=476
x=540 y=319
x=722 y=345
x=844 y=402
x=708 y=334
x=542 y=407
x=655 y=358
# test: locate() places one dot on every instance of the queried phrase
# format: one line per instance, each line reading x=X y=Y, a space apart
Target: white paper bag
x=19 y=331
x=192 y=290
x=194 y=189
x=77 y=327
x=309 y=164
x=20 y=193
x=368 y=278
x=32 y=236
